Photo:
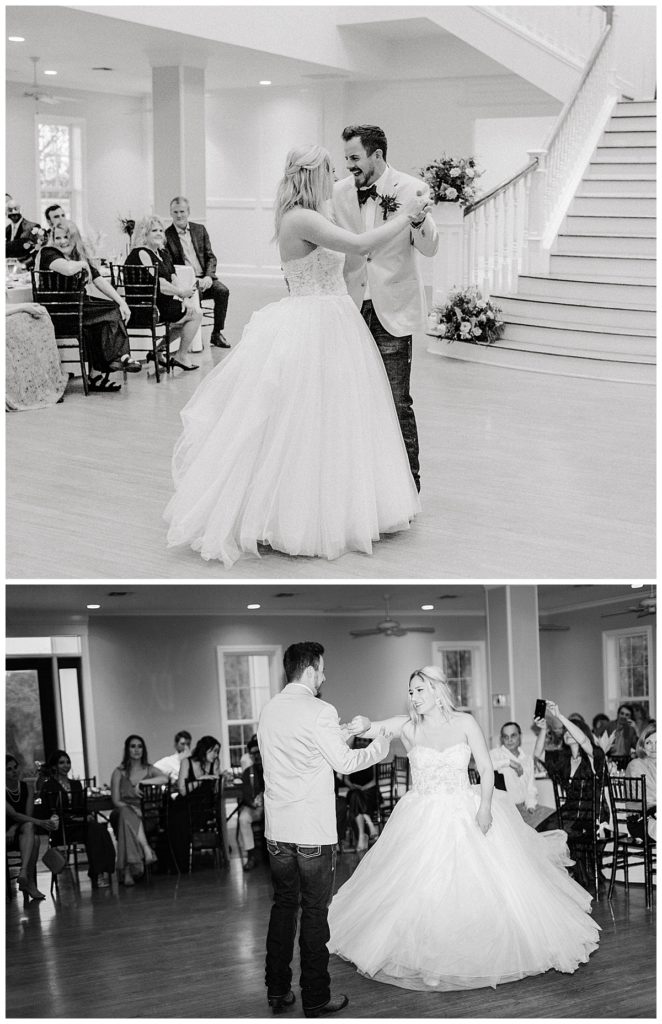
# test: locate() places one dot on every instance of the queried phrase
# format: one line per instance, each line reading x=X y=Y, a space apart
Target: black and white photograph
x=449 y=791
x=330 y=292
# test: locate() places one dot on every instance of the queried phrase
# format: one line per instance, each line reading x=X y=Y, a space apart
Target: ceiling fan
x=646 y=606
x=38 y=96
x=390 y=627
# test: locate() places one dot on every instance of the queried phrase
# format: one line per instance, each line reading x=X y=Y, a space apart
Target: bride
x=293 y=440
x=458 y=891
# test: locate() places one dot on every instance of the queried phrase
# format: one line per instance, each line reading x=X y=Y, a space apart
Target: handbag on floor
x=54 y=860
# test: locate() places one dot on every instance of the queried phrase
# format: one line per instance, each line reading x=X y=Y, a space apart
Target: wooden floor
x=194 y=947
x=524 y=475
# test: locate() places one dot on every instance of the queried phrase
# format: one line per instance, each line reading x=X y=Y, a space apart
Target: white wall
x=500 y=145
x=117 y=170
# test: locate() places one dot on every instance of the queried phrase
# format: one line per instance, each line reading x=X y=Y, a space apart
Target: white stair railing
x=510 y=230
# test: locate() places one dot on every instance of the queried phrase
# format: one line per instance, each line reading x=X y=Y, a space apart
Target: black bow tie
x=364 y=194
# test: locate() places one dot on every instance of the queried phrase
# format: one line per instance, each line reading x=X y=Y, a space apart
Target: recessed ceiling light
x=252 y=607
x=265 y=81
x=50 y=72
x=427 y=607
x=636 y=586
x=16 y=39
x=93 y=606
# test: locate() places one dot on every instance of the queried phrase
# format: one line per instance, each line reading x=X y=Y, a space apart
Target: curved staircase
x=593 y=314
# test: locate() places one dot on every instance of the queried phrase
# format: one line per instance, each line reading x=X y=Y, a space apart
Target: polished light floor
x=524 y=475
x=194 y=948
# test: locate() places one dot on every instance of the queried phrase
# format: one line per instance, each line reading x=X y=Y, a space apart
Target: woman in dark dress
x=21 y=827
x=362 y=799
x=174 y=301
x=64 y=796
x=105 y=313
x=576 y=767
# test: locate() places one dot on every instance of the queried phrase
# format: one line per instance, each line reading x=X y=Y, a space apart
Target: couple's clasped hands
x=360 y=724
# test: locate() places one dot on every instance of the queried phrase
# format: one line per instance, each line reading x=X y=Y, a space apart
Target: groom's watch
x=417 y=224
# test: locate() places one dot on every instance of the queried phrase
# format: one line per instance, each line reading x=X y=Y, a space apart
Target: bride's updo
x=307 y=181
x=433 y=675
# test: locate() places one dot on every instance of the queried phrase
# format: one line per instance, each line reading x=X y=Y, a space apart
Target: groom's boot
x=333 y=1006
x=279 y=1004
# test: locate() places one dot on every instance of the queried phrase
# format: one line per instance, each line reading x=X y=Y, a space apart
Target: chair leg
x=156 y=355
x=614 y=865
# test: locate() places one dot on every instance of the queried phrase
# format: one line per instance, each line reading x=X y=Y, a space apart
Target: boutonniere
x=389 y=204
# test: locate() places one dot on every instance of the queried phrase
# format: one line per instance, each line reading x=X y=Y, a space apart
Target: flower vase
x=448 y=262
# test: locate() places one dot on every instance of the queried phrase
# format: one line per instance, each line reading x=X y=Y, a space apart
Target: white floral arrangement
x=467 y=316
x=452 y=179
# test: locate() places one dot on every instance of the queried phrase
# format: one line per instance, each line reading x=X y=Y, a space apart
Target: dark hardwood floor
x=194 y=947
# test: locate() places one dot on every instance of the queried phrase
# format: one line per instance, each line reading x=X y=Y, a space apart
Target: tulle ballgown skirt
x=436 y=905
x=292 y=441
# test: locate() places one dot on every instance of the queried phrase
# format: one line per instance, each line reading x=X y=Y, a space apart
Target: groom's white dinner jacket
x=392 y=272
x=301 y=745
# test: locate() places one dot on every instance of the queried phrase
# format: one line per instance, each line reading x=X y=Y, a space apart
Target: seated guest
x=600 y=724
x=21 y=236
x=171 y=763
x=362 y=798
x=640 y=717
x=21 y=827
x=246 y=759
x=54 y=215
x=645 y=763
x=576 y=769
x=623 y=732
x=517 y=770
x=105 y=313
x=64 y=796
x=189 y=245
x=201 y=765
x=174 y=302
x=33 y=374
x=133 y=850
x=252 y=803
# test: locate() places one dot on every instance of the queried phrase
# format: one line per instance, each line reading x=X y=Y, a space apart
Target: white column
x=513 y=657
x=178 y=96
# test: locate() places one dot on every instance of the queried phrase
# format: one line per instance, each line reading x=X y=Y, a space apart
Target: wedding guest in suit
x=105 y=313
x=302 y=745
x=517 y=769
x=21 y=235
x=189 y=244
x=174 y=301
x=54 y=215
x=386 y=284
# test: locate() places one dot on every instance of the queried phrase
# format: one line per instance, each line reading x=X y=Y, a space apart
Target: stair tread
x=603 y=234
x=613 y=195
x=605 y=177
x=616 y=357
x=605 y=255
x=581 y=278
x=570 y=300
x=614 y=216
x=522 y=321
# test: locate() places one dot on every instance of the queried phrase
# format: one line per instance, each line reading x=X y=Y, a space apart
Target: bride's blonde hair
x=307 y=181
x=433 y=675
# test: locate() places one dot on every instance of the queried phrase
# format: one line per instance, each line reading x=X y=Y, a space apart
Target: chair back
x=474 y=776
x=89 y=782
x=385 y=787
x=139 y=285
x=627 y=797
x=632 y=847
x=400 y=769
x=63 y=298
x=203 y=799
x=154 y=807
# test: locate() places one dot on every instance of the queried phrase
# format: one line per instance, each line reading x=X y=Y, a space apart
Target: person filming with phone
x=517 y=769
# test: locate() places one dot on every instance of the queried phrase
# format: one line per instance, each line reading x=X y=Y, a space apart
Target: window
x=464 y=666
x=628 y=668
x=59 y=152
x=248 y=676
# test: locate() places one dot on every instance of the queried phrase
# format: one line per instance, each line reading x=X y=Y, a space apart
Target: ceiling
x=308 y=599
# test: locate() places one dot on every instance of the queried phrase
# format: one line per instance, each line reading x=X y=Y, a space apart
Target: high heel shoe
x=31 y=890
x=182 y=366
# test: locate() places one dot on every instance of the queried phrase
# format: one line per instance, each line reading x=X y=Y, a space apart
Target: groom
x=386 y=285
x=302 y=744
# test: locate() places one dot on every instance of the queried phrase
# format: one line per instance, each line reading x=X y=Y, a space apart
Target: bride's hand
x=358 y=725
x=484 y=819
x=416 y=208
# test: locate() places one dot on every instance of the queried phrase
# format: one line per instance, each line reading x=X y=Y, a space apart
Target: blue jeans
x=396 y=354
x=301 y=876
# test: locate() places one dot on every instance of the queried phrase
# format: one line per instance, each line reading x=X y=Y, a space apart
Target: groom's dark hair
x=372 y=137
x=298 y=657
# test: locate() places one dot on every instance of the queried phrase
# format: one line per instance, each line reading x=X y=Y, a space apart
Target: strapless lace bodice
x=440 y=771
x=318 y=273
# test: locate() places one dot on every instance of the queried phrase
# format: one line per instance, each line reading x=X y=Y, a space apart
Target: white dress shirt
x=522 y=787
x=170 y=764
x=369 y=217
x=190 y=254
x=302 y=745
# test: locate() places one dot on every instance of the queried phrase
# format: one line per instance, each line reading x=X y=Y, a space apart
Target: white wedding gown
x=293 y=440
x=437 y=905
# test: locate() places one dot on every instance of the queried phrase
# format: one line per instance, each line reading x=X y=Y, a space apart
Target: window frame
x=275 y=654
x=77 y=192
x=610 y=674
x=480 y=709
